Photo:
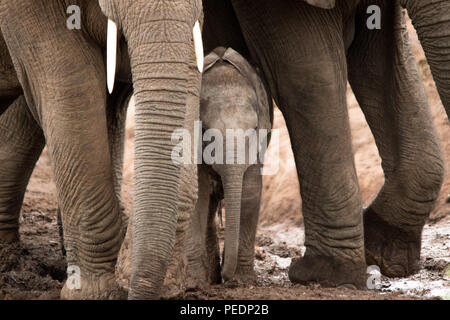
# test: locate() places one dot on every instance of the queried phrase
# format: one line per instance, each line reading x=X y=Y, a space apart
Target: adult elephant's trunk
x=431 y=19
x=160 y=93
x=232 y=179
x=159 y=37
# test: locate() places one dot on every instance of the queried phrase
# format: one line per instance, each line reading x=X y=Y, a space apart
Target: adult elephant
x=309 y=86
x=307 y=54
x=62 y=81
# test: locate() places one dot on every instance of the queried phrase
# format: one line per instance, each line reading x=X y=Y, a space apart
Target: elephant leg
x=21 y=143
x=301 y=51
x=116 y=113
x=251 y=199
x=197 y=269
x=432 y=22
x=80 y=153
x=203 y=249
x=212 y=242
x=386 y=82
x=65 y=85
x=117 y=106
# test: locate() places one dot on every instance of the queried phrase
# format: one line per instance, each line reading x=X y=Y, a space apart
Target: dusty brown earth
x=35 y=267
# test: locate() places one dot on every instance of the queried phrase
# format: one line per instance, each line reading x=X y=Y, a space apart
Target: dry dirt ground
x=35 y=268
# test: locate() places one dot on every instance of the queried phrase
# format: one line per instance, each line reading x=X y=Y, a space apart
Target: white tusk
x=198 y=43
x=111 y=55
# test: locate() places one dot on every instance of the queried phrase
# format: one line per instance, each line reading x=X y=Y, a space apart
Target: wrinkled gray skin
x=301 y=51
x=306 y=55
x=432 y=22
x=232 y=97
x=59 y=75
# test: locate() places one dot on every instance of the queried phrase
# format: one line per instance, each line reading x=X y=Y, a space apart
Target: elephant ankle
x=201 y=275
x=411 y=225
x=329 y=271
x=9 y=235
x=196 y=283
x=245 y=274
x=394 y=250
x=92 y=287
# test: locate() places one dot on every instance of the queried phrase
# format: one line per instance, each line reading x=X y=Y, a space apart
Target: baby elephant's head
x=233 y=107
x=233 y=110
x=228 y=97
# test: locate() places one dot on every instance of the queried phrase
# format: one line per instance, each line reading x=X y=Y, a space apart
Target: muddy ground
x=35 y=267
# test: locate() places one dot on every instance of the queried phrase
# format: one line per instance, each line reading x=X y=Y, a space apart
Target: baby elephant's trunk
x=232 y=179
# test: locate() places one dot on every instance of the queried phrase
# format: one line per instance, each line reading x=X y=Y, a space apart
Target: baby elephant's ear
x=210 y=61
x=264 y=101
x=239 y=62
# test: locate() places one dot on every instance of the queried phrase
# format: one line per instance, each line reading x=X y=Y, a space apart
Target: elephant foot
x=245 y=275
x=9 y=236
x=104 y=287
x=202 y=278
x=194 y=283
x=328 y=272
x=172 y=291
x=395 y=251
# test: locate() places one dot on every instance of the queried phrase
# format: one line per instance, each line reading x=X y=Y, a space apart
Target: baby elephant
x=233 y=102
x=233 y=97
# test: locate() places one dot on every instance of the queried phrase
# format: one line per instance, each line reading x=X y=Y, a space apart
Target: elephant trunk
x=160 y=47
x=431 y=19
x=159 y=112
x=232 y=179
